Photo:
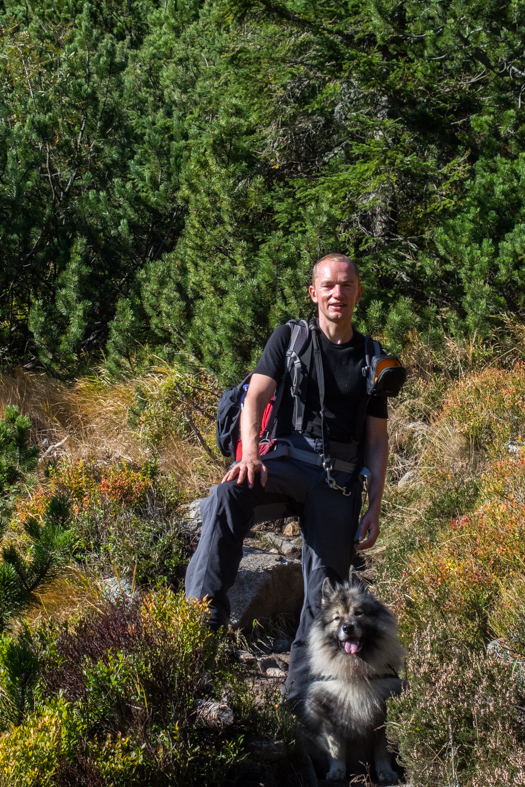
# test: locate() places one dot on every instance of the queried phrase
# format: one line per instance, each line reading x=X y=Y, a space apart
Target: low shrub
x=31 y=754
x=125 y=487
x=123 y=518
x=415 y=517
x=507 y=618
x=461 y=719
x=486 y=409
x=462 y=576
x=92 y=482
x=117 y=701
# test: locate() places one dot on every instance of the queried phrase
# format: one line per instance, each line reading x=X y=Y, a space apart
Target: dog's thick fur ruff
x=354 y=655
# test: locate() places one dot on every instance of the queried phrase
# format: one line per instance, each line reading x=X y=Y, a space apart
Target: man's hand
x=247 y=469
x=368 y=530
x=375 y=458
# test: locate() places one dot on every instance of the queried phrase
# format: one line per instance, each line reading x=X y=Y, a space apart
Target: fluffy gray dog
x=355 y=656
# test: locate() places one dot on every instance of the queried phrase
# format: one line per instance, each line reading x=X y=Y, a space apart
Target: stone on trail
x=292 y=529
x=267 y=585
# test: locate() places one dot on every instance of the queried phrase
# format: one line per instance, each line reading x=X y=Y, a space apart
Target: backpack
x=227 y=431
x=384 y=376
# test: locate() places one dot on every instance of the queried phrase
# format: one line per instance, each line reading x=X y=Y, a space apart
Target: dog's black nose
x=347 y=628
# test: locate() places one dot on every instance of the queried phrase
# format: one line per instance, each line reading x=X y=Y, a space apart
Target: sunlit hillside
x=102 y=661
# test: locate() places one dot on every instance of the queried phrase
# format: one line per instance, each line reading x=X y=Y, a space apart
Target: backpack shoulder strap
x=298 y=360
x=298 y=339
x=371 y=349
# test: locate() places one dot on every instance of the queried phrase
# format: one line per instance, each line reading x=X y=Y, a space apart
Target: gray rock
x=213 y=714
x=191 y=521
x=267 y=662
x=500 y=649
x=284 y=546
x=281 y=645
x=267 y=585
x=194 y=511
x=407 y=479
x=275 y=672
x=117 y=589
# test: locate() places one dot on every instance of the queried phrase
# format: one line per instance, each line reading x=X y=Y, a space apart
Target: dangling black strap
x=363 y=404
x=318 y=359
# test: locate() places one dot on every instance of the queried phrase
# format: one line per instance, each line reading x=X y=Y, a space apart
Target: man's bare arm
x=261 y=390
x=375 y=458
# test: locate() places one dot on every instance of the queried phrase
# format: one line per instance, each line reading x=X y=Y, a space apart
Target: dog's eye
x=336 y=618
x=359 y=613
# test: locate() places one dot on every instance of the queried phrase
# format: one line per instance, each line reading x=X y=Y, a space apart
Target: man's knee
x=227 y=512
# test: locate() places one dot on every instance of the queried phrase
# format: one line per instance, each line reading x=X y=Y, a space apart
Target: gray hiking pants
x=328 y=521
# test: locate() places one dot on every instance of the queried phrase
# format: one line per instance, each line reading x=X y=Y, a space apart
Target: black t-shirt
x=345 y=386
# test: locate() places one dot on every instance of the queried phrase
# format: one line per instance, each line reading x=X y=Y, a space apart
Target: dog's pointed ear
x=327 y=592
x=355 y=580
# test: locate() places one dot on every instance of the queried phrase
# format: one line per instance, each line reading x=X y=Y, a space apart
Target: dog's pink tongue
x=351 y=646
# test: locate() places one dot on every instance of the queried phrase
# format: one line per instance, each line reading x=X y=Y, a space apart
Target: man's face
x=336 y=291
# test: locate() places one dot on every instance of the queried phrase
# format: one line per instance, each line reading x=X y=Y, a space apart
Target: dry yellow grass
x=61 y=599
x=93 y=415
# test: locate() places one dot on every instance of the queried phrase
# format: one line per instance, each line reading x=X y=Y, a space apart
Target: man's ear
x=359 y=293
x=313 y=293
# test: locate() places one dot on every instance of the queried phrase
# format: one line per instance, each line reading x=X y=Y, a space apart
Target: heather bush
x=123 y=517
x=462 y=577
x=117 y=699
x=482 y=414
x=461 y=719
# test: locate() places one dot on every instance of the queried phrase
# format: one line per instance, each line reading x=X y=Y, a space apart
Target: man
x=256 y=489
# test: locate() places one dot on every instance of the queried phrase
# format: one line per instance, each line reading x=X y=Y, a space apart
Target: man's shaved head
x=334 y=258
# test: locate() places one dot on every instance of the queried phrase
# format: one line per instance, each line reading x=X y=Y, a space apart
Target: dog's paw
x=387 y=776
x=337 y=772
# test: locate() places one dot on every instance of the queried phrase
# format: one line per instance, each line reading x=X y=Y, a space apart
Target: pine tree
x=17 y=456
x=51 y=545
x=51 y=541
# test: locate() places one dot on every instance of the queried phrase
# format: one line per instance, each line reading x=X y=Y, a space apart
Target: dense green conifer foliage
x=169 y=171
x=17 y=456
